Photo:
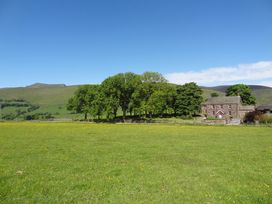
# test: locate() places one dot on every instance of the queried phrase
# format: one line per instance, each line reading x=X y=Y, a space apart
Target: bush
x=265 y=119
x=252 y=117
x=9 y=117
x=33 y=107
x=39 y=116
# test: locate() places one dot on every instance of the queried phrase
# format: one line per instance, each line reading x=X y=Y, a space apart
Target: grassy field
x=99 y=163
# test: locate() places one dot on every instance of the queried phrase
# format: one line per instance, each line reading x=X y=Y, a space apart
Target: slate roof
x=264 y=107
x=223 y=100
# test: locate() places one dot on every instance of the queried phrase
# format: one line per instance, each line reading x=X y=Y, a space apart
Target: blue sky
x=77 y=41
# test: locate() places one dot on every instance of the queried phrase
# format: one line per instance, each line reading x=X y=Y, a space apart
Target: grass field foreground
x=100 y=163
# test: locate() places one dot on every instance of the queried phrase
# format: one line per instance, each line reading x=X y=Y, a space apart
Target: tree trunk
x=124 y=114
x=115 y=114
x=85 y=116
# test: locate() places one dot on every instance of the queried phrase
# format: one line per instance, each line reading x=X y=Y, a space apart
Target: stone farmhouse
x=228 y=108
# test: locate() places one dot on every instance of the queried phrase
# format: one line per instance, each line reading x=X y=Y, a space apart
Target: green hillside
x=52 y=99
x=41 y=95
x=263 y=96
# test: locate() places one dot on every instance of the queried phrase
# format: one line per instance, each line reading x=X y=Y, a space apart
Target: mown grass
x=99 y=163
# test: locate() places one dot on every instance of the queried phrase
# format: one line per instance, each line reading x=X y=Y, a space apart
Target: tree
x=119 y=89
x=82 y=101
x=153 y=77
x=244 y=92
x=157 y=103
x=79 y=102
x=214 y=94
x=146 y=95
x=96 y=101
x=188 y=100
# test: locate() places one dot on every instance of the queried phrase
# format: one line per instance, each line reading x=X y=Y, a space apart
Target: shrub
x=265 y=119
x=9 y=117
x=33 y=107
x=39 y=116
x=252 y=117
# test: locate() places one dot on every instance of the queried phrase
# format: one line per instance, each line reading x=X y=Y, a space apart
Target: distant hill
x=42 y=95
x=41 y=85
x=225 y=87
x=50 y=98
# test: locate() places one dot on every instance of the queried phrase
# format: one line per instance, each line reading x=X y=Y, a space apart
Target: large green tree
x=119 y=90
x=157 y=103
x=244 y=92
x=154 y=98
x=188 y=99
x=96 y=101
x=80 y=102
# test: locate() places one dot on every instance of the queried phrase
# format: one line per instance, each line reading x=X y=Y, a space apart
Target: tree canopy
x=244 y=92
x=146 y=95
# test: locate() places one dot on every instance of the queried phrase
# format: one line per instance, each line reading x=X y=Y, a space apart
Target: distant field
x=98 y=163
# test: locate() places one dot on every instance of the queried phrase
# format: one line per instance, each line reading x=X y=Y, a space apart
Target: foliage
x=39 y=116
x=82 y=101
x=19 y=106
x=153 y=77
x=33 y=108
x=121 y=88
x=10 y=116
x=214 y=94
x=188 y=99
x=244 y=92
x=147 y=95
x=252 y=117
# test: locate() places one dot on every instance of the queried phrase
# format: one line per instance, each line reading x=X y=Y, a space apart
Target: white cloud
x=259 y=71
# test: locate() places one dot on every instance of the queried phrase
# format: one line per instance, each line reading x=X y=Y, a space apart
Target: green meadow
x=107 y=163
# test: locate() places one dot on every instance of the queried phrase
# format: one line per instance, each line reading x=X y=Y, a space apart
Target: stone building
x=228 y=108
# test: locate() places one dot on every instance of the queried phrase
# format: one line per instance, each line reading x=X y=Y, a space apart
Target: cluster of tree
x=145 y=95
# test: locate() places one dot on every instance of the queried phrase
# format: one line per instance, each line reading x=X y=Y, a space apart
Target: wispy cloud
x=259 y=73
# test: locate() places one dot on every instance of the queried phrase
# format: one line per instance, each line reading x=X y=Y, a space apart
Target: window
x=213 y=112
x=229 y=112
x=221 y=106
